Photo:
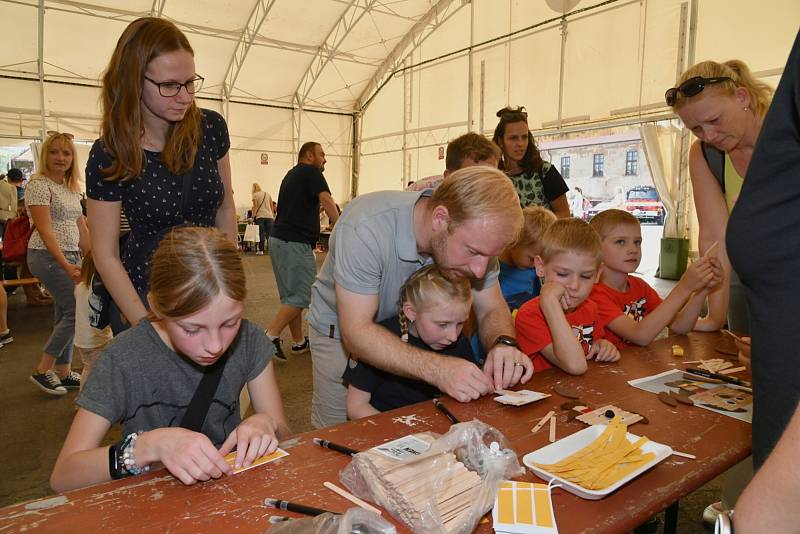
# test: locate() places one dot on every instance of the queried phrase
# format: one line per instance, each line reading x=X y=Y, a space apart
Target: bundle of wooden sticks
x=433 y=489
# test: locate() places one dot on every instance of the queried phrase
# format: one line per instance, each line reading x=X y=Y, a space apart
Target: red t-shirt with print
x=639 y=300
x=533 y=332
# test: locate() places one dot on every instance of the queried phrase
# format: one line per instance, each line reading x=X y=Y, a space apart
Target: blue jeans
x=264 y=229
x=45 y=267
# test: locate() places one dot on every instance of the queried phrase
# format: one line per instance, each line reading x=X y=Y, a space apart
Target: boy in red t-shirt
x=560 y=327
x=632 y=310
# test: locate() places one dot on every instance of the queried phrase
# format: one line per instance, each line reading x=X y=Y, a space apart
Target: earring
x=746 y=108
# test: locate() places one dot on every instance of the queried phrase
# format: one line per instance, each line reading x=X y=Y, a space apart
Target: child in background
x=90 y=341
x=631 y=310
x=560 y=327
x=433 y=311
x=147 y=378
x=518 y=280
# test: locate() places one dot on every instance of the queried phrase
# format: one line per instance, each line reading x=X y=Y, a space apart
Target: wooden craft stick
x=731 y=370
x=552 y=429
x=734 y=336
x=508 y=392
x=350 y=497
x=710 y=249
x=542 y=421
x=693 y=361
x=684 y=455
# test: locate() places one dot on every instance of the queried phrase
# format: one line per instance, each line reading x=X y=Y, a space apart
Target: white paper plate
x=555 y=452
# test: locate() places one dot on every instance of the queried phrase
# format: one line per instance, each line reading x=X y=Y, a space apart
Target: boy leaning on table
x=561 y=326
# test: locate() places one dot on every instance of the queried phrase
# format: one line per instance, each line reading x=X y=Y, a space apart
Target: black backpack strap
x=715 y=158
x=197 y=410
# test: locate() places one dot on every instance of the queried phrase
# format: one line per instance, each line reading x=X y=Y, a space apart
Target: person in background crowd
x=463 y=151
x=295 y=234
x=263 y=214
x=53 y=200
x=538 y=182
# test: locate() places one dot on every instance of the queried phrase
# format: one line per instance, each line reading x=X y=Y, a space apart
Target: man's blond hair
x=570 y=235
x=536 y=221
x=476 y=192
x=605 y=221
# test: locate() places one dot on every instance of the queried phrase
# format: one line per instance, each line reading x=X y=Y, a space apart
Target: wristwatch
x=506 y=340
x=724 y=523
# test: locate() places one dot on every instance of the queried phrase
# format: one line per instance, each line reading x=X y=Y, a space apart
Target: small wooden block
x=600 y=416
x=668 y=399
x=552 y=436
x=677 y=351
x=732 y=370
x=565 y=391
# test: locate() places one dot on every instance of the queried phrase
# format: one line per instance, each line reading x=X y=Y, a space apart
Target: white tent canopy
x=396 y=79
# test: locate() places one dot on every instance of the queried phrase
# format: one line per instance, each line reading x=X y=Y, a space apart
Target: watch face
x=506 y=340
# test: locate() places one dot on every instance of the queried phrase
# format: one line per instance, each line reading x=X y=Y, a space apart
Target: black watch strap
x=506 y=340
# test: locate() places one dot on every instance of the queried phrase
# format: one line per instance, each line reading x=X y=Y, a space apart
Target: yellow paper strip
x=524 y=507
x=541 y=503
x=505 y=503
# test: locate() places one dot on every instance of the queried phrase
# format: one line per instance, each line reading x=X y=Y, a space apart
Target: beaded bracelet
x=127 y=459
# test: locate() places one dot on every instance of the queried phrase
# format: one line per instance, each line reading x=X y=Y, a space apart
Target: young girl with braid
x=432 y=313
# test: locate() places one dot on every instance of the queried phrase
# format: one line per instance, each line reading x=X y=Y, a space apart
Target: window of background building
x=565 y=167
x=599 y=163
x=632 y=163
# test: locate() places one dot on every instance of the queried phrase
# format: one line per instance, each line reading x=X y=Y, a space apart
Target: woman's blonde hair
x=428 y=286
x=190 y=267
x=570 y=235
x=478 y=191
x=740 y=75
x=537 y=221
x=71 y=175
x=122 y=126
x=256 y=187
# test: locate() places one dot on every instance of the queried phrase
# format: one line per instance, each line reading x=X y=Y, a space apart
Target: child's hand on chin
x=554 y=292
x=253 y=438
x=189 y=456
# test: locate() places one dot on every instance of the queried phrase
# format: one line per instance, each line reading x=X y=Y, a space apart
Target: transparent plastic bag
x=355 y=520
x=446 y=489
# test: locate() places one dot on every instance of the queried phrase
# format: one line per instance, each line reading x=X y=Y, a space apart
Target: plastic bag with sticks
x=446 y=488
x=354 y=520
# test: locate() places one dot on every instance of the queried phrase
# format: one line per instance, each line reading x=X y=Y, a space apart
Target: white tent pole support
x=40 y=63
x=158 y=8
x=297 y=112
x=434 y=18
x=411 y=131
x=356 y=158
x=257 y=17
x=353 y=13
x=561 y=70
x=470 y=70
x=408 y=95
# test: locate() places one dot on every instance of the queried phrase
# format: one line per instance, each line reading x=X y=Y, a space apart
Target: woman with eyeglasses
x=53 y=200
x=160 y=159
x=538 y=182
x=724 y=106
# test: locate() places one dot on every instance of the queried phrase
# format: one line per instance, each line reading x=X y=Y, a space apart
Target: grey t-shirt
x=141 y=383
x=373 y=251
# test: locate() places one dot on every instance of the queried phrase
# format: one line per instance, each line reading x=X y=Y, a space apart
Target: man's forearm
x=493 y=323
x=377 y=346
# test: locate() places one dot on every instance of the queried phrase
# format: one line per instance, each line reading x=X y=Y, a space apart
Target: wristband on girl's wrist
x=122 y=458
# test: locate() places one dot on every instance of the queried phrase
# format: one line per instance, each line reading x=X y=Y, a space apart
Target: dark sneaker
x=71 y=381
x=49 y=383
x=6 y=338
x=278 y=349
x=300 y=347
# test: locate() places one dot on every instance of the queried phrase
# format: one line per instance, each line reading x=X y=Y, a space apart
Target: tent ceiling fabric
x=316 y=55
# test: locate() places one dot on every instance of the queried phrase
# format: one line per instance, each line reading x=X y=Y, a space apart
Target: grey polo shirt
x=373 y=251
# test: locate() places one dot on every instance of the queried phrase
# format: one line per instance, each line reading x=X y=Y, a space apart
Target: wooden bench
x=21 y=282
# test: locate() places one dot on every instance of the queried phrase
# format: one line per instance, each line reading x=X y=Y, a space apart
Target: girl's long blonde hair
x=71 y=175
x=190 y=267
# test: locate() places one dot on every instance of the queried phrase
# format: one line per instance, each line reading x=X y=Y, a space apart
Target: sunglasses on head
x=51 y=133
x=691 y=87
x=513 y=112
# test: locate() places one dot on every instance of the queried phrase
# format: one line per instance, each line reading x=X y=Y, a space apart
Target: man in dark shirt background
x=294 y=236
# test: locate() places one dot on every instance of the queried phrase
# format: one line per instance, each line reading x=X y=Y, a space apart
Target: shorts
x=295 y=271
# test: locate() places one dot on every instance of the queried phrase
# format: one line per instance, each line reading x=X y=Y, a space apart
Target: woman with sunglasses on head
x=160 y=159
x=724 y=107
x=538 y=182
x=53 y=201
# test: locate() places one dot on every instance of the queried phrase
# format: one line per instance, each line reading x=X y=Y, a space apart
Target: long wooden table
x=158 y=502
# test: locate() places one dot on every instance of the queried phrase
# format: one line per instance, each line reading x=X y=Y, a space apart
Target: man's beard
x=439 y=248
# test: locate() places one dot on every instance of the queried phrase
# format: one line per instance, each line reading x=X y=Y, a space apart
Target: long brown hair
x=532 y=160
x=122 y=128
x=190 y=267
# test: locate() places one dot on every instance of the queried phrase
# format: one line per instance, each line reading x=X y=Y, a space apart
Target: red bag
x=15 y=239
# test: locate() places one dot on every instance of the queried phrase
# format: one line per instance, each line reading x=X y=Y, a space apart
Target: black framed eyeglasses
x=173 y=88
x=691 y=87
